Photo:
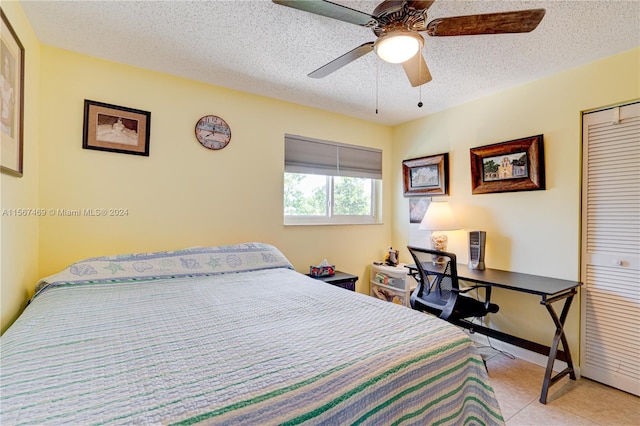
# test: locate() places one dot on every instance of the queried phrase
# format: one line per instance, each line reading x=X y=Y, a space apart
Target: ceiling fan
x=398 y=24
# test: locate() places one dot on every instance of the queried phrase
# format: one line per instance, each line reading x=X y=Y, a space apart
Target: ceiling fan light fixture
x=398 y=46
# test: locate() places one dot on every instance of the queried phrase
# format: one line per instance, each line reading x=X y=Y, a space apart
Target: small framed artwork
x=417 y=208
x=12 y=107
x=426 y=175
x=516 y=165
x=116 y=129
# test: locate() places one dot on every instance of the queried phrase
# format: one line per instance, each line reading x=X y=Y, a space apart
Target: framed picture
x=417 y=208
x=116 y=129
x=426 y=175
x=12 y=106
x=516 y=165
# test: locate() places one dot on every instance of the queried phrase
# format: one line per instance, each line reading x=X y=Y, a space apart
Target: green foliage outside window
x=306 y=194
x=352 y=196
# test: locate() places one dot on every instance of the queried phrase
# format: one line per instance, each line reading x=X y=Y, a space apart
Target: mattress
x=230 y=335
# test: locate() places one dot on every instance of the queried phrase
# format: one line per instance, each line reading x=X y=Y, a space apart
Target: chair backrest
x=434 y=292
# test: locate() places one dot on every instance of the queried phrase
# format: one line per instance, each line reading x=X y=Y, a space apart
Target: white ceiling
x=267 y=49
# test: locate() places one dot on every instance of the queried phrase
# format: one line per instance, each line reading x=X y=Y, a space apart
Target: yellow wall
x=19 y=234
x=535 y=232
x=183 y=194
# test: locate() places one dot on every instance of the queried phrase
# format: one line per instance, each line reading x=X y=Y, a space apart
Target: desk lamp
x=439 y=217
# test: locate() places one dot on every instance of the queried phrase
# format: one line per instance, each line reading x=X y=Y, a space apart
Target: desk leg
x=559 y=337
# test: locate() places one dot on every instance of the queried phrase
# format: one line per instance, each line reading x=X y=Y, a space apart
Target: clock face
x=213 y=132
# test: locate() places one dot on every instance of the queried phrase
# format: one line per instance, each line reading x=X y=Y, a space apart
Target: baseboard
x=521 y=353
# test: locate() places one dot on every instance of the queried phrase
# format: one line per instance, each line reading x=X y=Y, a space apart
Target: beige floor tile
x=517 y=386
x=537 y=414
x=600 y=403
x=516 y=383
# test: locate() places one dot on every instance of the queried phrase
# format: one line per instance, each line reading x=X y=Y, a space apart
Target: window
x=330 y=183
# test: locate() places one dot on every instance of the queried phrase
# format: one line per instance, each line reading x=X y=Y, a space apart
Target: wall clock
x=213 y=132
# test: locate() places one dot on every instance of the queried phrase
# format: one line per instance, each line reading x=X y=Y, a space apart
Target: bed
x=230 y=335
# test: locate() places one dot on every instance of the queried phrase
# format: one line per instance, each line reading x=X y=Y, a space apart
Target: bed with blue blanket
x=230 y=335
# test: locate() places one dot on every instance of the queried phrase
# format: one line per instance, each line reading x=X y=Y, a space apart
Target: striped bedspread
x=259 y=347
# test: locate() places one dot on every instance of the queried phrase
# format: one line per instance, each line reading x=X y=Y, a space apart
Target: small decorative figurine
x=392 y=258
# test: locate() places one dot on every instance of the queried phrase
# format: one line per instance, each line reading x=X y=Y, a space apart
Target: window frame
x=309 y=156
x=330 y=218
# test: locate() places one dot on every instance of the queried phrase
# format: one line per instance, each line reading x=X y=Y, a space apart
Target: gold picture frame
x=12 y=106
x=116 y=128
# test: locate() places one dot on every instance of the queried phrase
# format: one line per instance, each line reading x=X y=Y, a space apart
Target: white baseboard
x=521 y=353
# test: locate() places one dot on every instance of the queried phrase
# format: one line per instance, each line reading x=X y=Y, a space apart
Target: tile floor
x=517 y=385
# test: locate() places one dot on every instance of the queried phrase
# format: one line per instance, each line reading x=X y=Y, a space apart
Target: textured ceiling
x=266 y=49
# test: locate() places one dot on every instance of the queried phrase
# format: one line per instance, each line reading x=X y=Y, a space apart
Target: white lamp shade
x=439 y=217
x=398 y=46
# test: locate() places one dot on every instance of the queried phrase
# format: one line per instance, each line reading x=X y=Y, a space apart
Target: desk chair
x=438 y=292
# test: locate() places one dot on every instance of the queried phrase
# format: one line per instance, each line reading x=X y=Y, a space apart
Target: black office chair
x=438 y=291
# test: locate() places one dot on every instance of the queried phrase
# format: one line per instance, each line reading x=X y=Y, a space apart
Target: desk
x=549 y=289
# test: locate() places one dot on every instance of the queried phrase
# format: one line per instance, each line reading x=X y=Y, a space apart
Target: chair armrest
x=473 y=287
x=487 y=294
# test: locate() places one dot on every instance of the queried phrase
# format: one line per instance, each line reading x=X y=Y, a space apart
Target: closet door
x=610 y=267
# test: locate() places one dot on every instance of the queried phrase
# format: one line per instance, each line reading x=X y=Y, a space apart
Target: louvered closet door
x=610 y=346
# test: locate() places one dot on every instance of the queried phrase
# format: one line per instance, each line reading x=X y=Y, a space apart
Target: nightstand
x=340 y=279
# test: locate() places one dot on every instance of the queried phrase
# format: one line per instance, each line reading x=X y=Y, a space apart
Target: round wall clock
x=213 y=132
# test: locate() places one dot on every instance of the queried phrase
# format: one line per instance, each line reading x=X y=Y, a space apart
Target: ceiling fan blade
x=420 y=4
x=522 y=21
x=343 y=60
x=417 y=70
x=331 y=10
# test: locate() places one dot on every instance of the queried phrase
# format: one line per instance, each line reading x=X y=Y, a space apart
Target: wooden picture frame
x=516 y=165
x=115 y=128
x=426 y=175
x=12 y=109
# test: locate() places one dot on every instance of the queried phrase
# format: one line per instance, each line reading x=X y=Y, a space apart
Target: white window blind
x=314 y=156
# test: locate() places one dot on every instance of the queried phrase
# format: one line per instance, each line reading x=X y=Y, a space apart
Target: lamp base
x=439 y=242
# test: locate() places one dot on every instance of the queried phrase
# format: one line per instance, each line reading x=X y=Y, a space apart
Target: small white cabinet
x=390 y=283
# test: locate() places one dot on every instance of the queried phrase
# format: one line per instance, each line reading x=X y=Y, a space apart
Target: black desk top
x=526 y=283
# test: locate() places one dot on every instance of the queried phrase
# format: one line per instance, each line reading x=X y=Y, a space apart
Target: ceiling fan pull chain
x=420 y=100
x=376 y=84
